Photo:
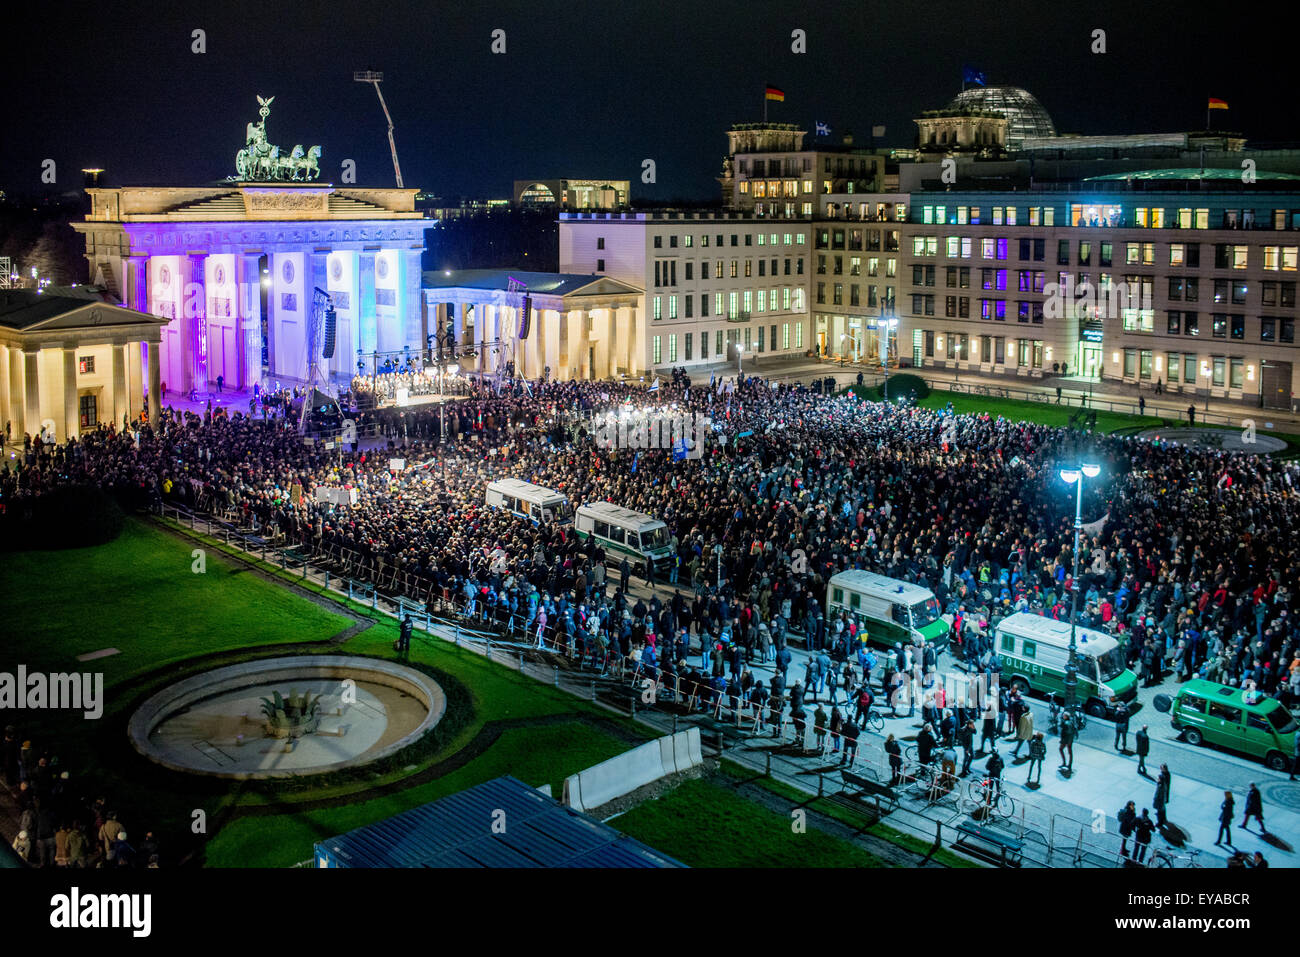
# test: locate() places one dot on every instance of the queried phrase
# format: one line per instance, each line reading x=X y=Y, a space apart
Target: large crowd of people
x=1191 y=556
x=1194 y=566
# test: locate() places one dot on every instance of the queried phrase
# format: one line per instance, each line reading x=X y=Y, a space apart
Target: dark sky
x=587 y=87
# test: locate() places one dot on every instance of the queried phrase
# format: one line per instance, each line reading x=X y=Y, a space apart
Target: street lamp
x=442 y=402
x=1075 y=476
x=740 y=351
x=1205 y=371
x=886 y=324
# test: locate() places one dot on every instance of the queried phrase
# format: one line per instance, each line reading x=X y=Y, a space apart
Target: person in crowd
x=1225 y=819
x=1254 y=807
x=1037 y=753
x=1142 y=745
x=1164 y=788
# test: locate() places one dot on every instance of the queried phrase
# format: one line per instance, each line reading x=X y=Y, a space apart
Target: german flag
x=774 y=94
x=1216 y=104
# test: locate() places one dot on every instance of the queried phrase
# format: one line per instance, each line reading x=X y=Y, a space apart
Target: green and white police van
x=1206 y=712
x=623 y=532
x=533 y=502
x=1034 y=649
x=890 y=610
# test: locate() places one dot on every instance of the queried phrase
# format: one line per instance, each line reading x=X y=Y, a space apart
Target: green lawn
x=139 y=594
x=1020 y=410
x=537 y=756
x=848 y=816
x=1044 y=413
x=705 y=824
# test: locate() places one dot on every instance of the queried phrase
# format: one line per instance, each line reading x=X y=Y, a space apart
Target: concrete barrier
x=693 y=747
x=625 y=773
x=682 y=749
x=667 y=744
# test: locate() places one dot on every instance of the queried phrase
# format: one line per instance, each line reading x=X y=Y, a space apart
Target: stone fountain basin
x=211 y=723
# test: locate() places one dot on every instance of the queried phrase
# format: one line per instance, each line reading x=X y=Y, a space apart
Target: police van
x=624 y=532
x=890 y=610
x=533 y=502
x=1034 y=650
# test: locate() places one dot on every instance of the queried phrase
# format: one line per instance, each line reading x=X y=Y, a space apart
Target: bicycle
x=1166 y=859
x=982 y=795
x=940 y=786
x=874 y=722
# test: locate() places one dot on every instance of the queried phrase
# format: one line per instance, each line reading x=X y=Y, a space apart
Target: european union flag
x=679 y=450
x=971 y=75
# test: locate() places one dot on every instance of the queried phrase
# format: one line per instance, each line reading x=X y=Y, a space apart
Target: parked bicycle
x=986 y=796
x=1167 y=858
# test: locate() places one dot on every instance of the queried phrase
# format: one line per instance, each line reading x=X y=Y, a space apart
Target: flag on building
x=823 y=129
x=970 y=74
x=774 y=94
x=1216 y=104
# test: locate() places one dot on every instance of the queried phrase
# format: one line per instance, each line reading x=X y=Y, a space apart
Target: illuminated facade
x=234 y=268
x=71 y=358
x=1010 y=283
x=714 y=281
x=575 y=194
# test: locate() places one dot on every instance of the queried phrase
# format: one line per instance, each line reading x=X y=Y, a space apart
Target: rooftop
x=454 y=832
x=21 y=308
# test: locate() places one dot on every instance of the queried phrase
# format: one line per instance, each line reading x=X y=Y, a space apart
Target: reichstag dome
x=1025 y=115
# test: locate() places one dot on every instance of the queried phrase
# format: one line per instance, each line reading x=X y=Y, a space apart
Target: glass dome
x=1025 y=115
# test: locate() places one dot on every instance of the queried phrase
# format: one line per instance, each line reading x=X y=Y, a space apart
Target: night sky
x=589 y=88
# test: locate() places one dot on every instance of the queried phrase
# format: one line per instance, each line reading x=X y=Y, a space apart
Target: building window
x=672 y=348
x=600 y=265
x=1236 y=373
x=86 y=365
x=689 y=337
x=600 y=242
x=672 y=307
x=658 y=356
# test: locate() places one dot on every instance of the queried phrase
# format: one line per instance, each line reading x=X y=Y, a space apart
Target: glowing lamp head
x=1091 y=471
x=1070 y=476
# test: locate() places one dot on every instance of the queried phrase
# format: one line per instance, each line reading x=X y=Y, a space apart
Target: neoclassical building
x=70 y=358
x=234 y=268
x=582 y=326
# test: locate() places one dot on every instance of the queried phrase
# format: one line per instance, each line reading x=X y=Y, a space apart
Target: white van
x=892 y=611
x=1034 y=650
x=624 y=532
x=533 y=502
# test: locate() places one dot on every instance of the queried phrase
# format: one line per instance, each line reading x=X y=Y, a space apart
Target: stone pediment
x=96 y=315
x=604 y=286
